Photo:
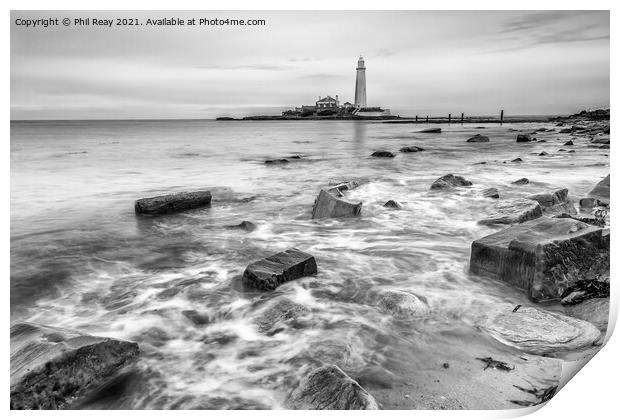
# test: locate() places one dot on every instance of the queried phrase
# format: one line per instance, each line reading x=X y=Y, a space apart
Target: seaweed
x=495 y=364
x=542 y=395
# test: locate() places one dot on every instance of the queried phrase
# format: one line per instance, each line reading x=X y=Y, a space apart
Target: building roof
x=327 y=99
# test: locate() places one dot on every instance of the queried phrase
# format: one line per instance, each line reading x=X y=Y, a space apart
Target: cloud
x=267 y=67
x=545 y=28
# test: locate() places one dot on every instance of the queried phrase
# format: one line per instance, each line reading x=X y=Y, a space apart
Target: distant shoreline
x=398 y=120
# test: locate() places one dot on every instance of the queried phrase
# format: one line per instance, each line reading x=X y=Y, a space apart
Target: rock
x=196 y=317
x=538 y=331
x=346 y=185
x=569 y=143
x=382 y=154
x=565 y=130
x=51 y=366
x=450 y=181
x=245 y=225
x=173 y=203
x=401 y=305
x=411 y=149
x=490 y=193
x=601 y=140
x=270 y=272
x=598 y=196
x=276 y=161
x=430 y=130
x=282 y=312
x=478 y=138
x=327 y=204
x=513 y=211
x=594 y=285
x=604 y=146
x=595 y=311
x=521 y=181
x=393 y=205
x=571 y=151
x=294 y=157
x=555 y=202
x=543 y=153
x=524 y=138
x=329 y=388
x=542 y=141
x=543 y=257
x=517 y=160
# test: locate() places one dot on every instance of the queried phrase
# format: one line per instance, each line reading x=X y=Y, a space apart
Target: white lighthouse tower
x=360 y=84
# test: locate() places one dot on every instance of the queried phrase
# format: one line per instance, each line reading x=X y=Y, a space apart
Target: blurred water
x=81 y=259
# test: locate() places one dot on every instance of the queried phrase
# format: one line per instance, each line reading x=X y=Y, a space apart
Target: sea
x=82 y=259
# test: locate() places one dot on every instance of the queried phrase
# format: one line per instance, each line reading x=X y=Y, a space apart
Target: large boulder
x=595 y=311
x=554 y=203
x=173 y=203
x=52 y=366
x=543 y=257
x=401 y=305
x=270 y=272
x=430 y=130
x=450 y=181
x=329 y=388
x=478 y=138
x=330 y=204
x=599 y=195
x=538 y=331
x=508 y=212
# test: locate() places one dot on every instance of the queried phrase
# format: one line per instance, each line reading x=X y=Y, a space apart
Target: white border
x=593 y=394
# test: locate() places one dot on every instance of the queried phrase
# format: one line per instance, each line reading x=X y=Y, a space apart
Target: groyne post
x=416 y=118
x=462 y=116
x=449 y=118
x=427 y=118
x=501 y=116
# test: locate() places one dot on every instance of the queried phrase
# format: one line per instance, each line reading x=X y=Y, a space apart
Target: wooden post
x=501 y=116
x=462 y=116
x=416 y=118
x=449 y=118
x=427 y=118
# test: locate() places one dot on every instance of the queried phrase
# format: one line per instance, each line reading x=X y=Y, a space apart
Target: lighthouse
x=360 y=84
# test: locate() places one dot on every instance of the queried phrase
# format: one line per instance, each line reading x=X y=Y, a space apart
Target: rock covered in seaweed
x=329 y=388
x=543 y=257
x=51 y=366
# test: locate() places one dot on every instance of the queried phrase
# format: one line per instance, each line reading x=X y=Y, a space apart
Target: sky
x=418 y=62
